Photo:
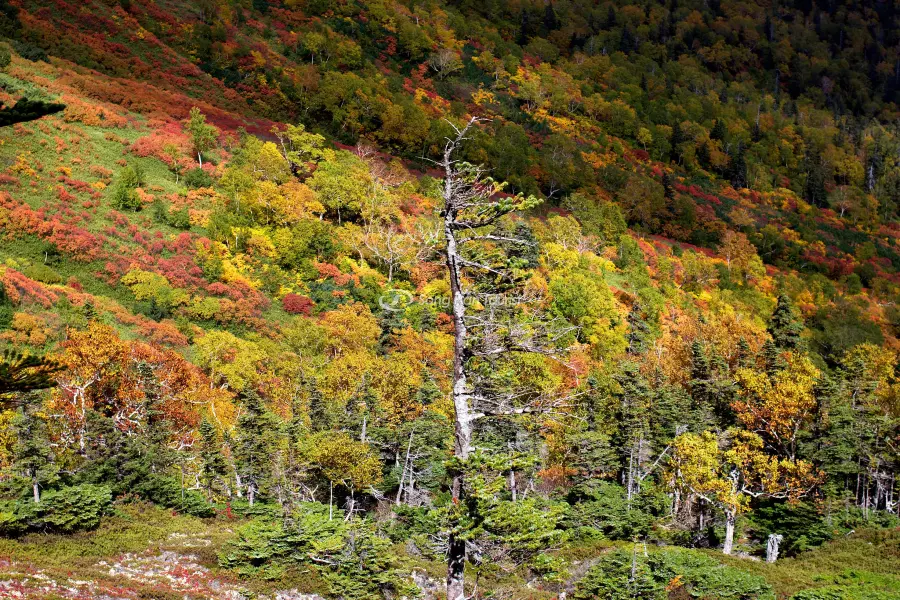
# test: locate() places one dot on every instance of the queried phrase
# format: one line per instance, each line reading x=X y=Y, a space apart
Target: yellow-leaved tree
x=231 y=362
x=344 y=461
x=731 y=471
x=777 y=405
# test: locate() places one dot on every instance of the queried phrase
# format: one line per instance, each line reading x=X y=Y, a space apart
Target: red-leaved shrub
x=297 y=304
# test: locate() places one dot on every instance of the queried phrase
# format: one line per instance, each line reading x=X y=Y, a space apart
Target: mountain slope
x=232 y=242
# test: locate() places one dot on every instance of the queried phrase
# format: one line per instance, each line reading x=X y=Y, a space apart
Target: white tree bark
x=470 y=207
x=772 y=547
x=730 y=519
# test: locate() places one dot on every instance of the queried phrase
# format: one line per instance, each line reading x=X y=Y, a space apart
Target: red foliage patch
x=296 y=304
x=77 y=242
x=75 y=184
x=696 y=192
x=328 y=270
x=63 y=195
x=156 y=144
x=640 y=155
x=21 y=290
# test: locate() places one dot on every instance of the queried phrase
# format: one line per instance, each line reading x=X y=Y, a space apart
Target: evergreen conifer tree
x=701 y=376
x=703 y=155
x=814 y=190
x=254 y=444
x=319 y=417
x=718 y=130
x=638 y=331
x=633 y=415
x=832 y=442
x=677 y=139
x=668 y=190
x=428 y=391
x=213 y=467
x=551 y=22
x=20 y=374
x=772 y=358
x=744 y=354
x=785 y=325
x=32 y=455
x=737 y=169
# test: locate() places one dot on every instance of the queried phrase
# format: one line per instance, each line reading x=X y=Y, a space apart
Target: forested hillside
x=449 y=299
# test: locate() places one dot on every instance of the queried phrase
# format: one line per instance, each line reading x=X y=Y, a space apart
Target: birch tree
x=728 y=473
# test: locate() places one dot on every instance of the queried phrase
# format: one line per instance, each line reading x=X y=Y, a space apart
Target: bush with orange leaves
x=102 y=372
x=79 y=111
x=21 y=290
x=27 y=329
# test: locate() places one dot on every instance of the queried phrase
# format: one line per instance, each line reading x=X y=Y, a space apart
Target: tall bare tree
x=490 y=316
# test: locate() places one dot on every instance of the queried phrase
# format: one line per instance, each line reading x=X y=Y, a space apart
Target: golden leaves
x=735 y=469
x=776 y=406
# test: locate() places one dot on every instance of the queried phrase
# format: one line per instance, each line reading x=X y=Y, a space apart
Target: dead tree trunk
x=772 y=547
x=472 y=206
x=462 y=444
x=730 y=520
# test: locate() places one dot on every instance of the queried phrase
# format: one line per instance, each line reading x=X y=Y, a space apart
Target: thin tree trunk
x=858 y=480
x=462 y=423
x=890 y=498
x=772 y=547
x=352 y=507
x=866 y=497
x=730 y=519
x=462 y=445
x=455 y=569
x=633 y=576
x=400 y=488
x=629 y=477
x=405 y=466
x=37 y=491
